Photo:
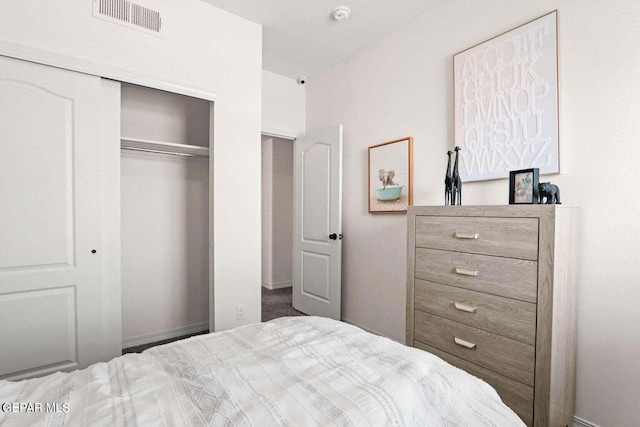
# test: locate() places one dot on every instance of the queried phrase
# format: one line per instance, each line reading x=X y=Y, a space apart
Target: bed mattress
x=296 y=371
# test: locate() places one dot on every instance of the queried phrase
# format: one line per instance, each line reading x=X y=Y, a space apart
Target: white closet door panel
x=36 y=178
x=51 y=223
x=31 y=344
x=316 y=198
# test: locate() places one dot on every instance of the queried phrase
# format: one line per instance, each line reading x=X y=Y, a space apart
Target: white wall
x=402 y=86
x=282 y=208
x=283 y=114
x=267 y=212
x=165 y=271
x=162 y=116
x=283 y=104
x=277 y=212
x=203 y=48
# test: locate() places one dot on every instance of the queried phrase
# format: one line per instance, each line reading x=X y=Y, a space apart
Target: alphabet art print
x=506 y=102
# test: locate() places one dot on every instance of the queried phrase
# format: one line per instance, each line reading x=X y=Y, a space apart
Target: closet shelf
x=138 y=144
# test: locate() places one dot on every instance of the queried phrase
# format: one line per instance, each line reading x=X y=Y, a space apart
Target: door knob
x=335 y=236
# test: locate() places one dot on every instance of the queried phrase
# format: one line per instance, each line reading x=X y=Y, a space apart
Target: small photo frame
x=391 y=176
x=523 y=186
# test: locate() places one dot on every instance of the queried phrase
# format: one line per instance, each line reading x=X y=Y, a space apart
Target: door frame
x=289 y=136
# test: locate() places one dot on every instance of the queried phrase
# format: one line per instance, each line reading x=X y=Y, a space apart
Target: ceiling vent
x=129 y=14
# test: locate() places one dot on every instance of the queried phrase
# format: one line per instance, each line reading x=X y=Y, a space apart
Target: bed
x=294 y=371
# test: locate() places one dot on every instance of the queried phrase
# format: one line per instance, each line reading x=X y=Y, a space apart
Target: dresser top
x=533 y=211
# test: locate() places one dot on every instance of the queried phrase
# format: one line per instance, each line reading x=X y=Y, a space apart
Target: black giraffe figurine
x=448 y=181
x=456 y=187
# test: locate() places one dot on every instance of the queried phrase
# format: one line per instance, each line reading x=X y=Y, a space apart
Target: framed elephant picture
x=523 y=186
x=391 y=176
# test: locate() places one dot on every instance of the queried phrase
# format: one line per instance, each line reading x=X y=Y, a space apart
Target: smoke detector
x=341 y=13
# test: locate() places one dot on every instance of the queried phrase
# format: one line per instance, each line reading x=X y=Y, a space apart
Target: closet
x=165 y=210
x=106 y=215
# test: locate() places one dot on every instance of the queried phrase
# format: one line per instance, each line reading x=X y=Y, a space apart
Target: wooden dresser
x=492 y=290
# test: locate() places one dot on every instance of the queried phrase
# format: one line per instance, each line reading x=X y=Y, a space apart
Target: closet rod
x=164 y=147
x=148 y=150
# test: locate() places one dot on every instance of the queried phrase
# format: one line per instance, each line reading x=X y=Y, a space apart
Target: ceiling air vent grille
x=145 y=17
x=129 y=14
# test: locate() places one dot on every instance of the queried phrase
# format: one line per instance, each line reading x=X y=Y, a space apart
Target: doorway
x=277 y=228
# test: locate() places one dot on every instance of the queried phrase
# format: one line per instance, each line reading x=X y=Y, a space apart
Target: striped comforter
x=297 y=371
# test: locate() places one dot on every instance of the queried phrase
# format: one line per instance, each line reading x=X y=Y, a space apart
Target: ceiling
x=301 y=38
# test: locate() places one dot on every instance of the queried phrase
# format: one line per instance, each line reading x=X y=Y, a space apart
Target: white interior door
x=317 y=258
x=56 y=312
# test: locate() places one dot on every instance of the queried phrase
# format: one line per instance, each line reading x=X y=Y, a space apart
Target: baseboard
x=279 y=285
x=164 y=335
x=579 y=422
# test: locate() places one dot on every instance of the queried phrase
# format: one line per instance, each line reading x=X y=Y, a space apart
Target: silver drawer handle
x=464 y=343
x=466 y=271
x=464 y=307
x=462 y=235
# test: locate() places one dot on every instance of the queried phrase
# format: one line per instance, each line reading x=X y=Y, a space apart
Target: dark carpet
x=277 y=303
x=143 y=347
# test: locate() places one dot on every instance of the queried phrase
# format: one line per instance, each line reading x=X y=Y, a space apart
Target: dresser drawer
x=515 y=395
x=510 y=237
x=508 y=277
x=503 y=316
x=499 y=354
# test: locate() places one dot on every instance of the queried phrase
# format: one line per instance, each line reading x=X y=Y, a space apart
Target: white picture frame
x=506 y=102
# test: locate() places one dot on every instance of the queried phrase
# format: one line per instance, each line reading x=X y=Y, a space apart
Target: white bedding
x=296 y=371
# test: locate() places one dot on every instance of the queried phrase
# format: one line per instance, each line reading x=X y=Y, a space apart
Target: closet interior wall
x=165 y=215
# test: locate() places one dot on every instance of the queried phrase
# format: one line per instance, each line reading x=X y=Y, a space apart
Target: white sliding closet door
x=57 y=310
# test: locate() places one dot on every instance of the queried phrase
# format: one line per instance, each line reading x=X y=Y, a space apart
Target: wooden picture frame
x=391 y=176
x=523 y=186
x=506 y=112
